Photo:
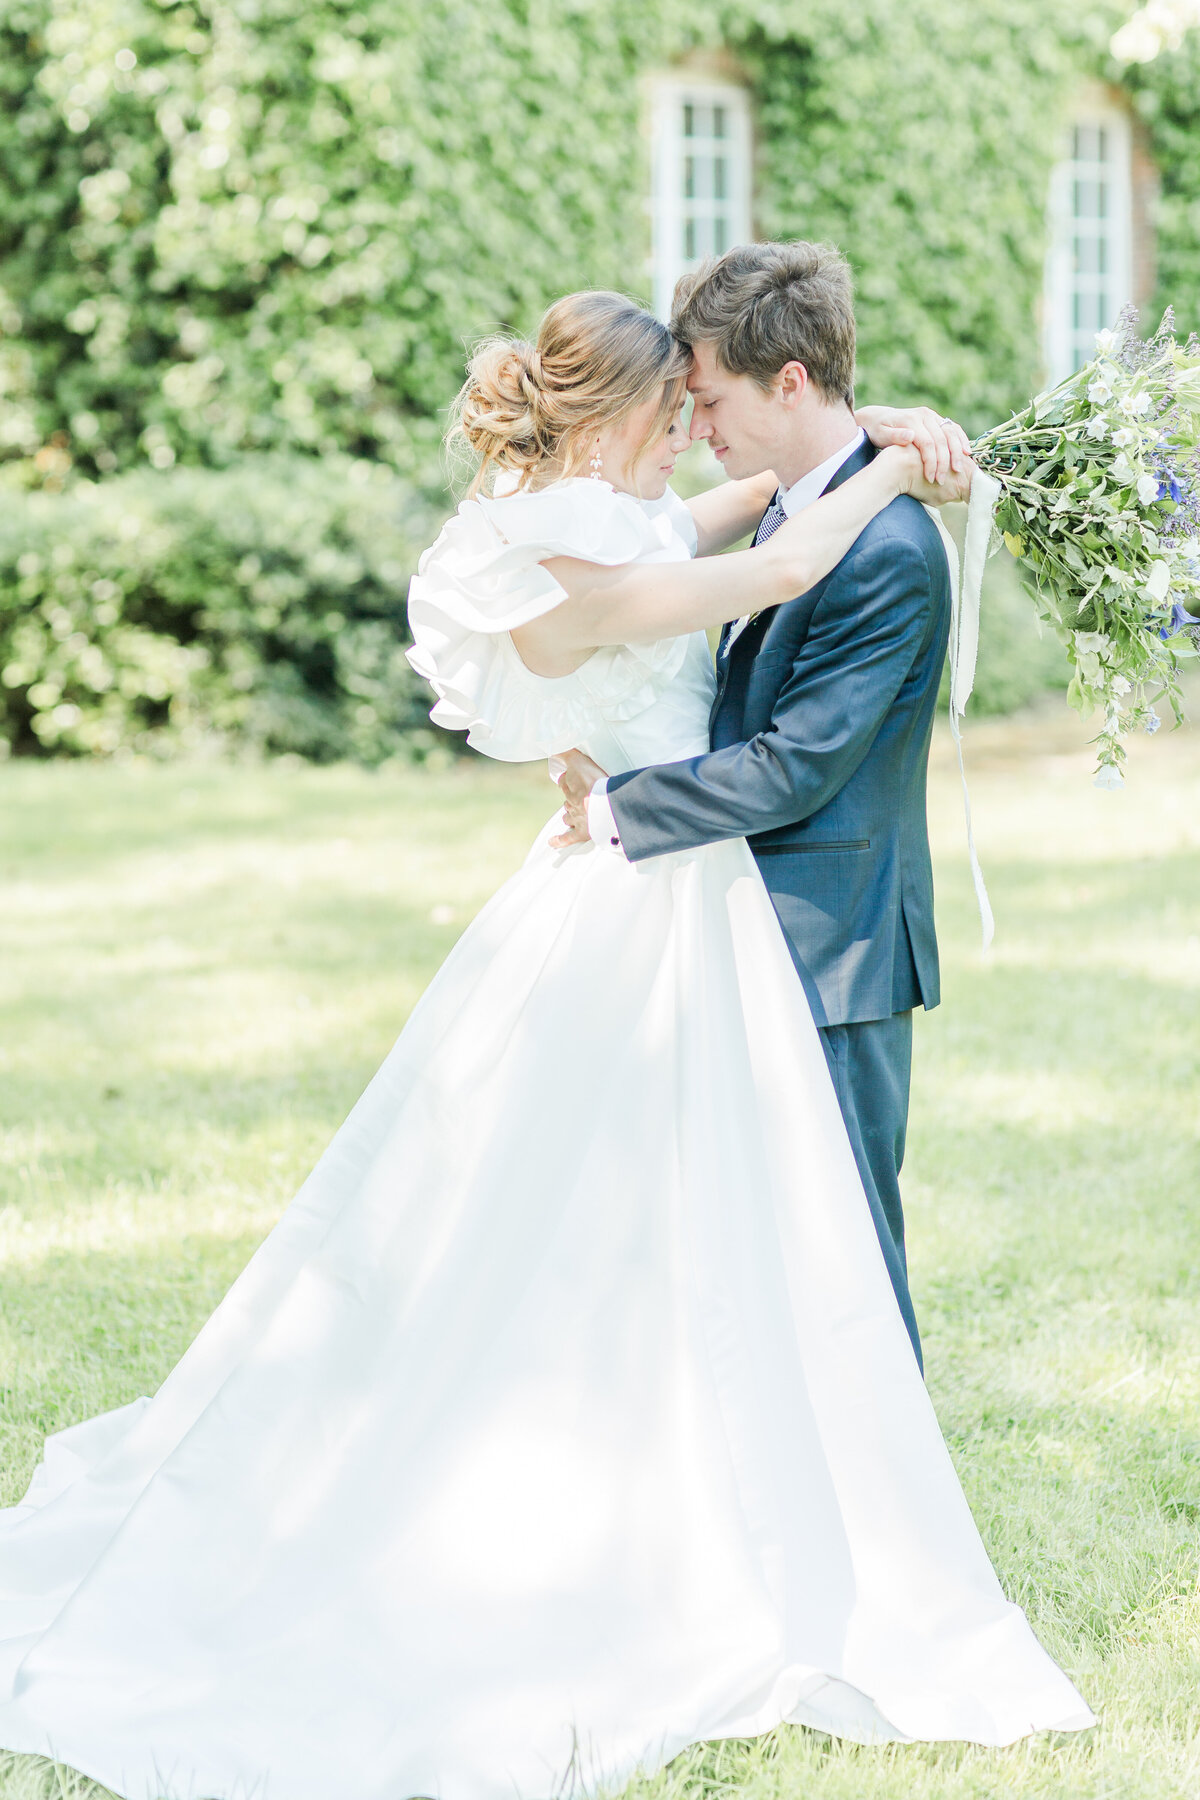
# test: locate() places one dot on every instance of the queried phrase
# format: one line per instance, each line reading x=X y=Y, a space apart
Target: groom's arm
x=865 y=635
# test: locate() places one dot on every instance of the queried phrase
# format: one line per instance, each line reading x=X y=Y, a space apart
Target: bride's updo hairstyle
x=533 y=409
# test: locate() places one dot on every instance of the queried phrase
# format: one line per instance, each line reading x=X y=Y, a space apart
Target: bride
x=567 y=1417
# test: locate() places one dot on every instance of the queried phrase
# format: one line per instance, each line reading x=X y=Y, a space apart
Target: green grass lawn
x=203 y=965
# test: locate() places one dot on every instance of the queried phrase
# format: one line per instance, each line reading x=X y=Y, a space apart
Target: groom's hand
x=576 y=775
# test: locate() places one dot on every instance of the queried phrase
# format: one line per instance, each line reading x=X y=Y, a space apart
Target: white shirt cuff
x=601 y=824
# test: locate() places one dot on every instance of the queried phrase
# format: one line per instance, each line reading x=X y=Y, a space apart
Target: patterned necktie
x=770 y=522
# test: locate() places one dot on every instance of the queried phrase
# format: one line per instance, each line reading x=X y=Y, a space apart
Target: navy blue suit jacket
x=820 y=746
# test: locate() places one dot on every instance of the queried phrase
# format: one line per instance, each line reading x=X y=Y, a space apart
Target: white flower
x=1124 y=470
x=1120 y=686
x=1190 y=549
x=1099 y=391
x=1153 y=723
x=1147 y=489
x=1109 y=778
x=1097 y=426
x=1090 y=643
x=1106 y=342
x=1134 y=404
x=1125 y=438
x=1158 y=580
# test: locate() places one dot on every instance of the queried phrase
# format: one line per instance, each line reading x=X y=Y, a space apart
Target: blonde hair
x=531 y=408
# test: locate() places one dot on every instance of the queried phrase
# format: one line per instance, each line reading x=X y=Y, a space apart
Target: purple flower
x=1180 y=621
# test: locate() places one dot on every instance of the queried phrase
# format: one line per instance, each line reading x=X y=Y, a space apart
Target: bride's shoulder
x=590 y=518
x=578 y=516
x=485 y=576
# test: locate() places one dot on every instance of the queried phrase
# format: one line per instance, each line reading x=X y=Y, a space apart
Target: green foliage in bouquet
x=1101 y=506
x=260 y=606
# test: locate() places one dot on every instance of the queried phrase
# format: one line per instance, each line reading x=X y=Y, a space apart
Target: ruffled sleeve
x=484 y=577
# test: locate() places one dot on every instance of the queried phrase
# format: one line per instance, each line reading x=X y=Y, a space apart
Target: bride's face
x=645 y=472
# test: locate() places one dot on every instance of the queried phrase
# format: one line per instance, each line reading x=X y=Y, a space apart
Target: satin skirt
x=565 y=1419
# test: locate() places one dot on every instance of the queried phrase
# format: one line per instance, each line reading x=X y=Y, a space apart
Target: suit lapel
x=865 y=453
x=749 y=639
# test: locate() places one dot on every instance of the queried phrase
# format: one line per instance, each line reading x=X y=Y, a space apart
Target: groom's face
x=743 y=426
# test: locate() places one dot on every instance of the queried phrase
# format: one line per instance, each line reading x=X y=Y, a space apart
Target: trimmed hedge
x=261 y=605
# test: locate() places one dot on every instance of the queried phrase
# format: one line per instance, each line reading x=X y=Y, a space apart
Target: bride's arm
x=638 y=602
x=732 y=509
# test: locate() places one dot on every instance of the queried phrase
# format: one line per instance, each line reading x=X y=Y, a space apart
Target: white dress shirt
x=602 y=826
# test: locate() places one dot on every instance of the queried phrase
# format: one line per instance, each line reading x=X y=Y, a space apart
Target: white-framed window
x=1089 y=261
x=700 y=176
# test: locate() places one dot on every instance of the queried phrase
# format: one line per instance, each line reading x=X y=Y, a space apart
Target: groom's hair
x=764 y=305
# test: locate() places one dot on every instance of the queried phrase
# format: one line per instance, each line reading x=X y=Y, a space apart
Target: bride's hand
x=943 y=446
x=911 y=477
x=576 y=774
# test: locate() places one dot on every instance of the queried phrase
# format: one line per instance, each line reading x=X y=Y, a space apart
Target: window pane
x=1102 y=144
x=700 y=152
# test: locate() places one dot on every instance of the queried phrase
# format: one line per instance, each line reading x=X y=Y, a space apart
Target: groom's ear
x=792 y=383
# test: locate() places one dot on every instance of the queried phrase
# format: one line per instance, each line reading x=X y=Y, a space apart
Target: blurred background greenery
x=243 y=245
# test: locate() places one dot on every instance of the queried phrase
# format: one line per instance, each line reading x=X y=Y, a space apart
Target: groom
x=821 y=725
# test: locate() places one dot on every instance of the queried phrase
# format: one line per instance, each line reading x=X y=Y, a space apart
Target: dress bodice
x=628 y=704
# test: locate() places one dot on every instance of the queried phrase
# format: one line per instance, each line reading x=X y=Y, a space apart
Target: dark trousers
x=871 y=1065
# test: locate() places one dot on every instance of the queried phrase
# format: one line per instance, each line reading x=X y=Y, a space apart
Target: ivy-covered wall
x=236 y=225
x=233 y=225
x=234 y=232
x=1166 y=93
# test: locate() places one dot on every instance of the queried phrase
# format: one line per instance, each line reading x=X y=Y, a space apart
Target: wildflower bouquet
x=1100 y=501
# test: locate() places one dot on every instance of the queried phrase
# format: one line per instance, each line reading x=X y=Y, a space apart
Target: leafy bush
x=263 y=604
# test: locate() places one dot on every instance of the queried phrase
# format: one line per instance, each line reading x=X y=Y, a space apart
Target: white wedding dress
x=566 y=1418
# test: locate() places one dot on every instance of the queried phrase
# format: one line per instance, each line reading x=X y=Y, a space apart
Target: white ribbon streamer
x=964 y=645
